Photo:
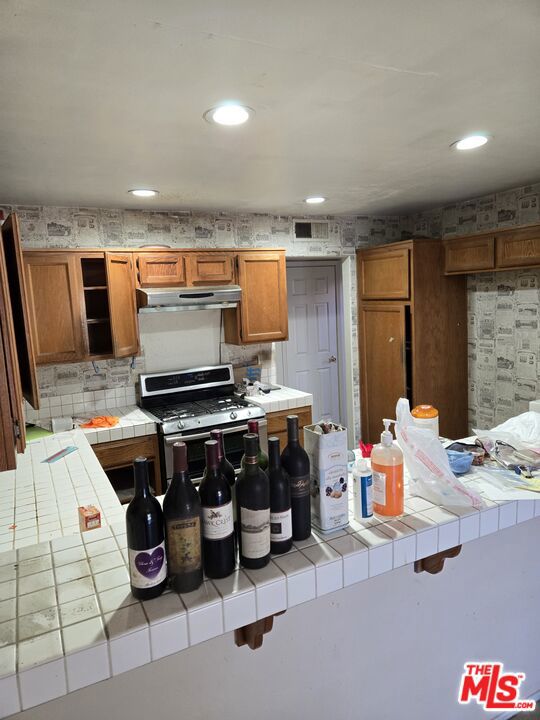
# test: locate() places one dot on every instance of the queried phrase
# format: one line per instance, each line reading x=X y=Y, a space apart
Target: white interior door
x=310 y=357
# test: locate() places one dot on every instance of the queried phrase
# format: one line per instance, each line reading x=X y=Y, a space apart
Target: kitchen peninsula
x=77 y=623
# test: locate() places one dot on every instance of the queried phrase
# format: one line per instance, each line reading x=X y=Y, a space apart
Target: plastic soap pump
x=387 y=469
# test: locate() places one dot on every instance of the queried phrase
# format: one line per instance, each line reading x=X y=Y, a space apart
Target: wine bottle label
x=379 y=487
x=218 y=521
x=184 y=545
x=147 y=568
x=280 y=526
x=255 y=529
x=299 y=486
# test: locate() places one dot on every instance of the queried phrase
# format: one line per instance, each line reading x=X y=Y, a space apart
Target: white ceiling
x=355 y=100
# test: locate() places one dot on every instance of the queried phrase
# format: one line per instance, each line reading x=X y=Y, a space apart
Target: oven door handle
x=170 y=440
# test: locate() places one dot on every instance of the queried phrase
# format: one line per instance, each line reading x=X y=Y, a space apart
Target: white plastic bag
x=428 y=466
x=519 y=431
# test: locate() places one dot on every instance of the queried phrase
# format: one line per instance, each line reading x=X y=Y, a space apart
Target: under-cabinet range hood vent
x=196 y=298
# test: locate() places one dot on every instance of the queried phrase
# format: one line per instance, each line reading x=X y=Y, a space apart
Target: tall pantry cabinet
x=412 y=335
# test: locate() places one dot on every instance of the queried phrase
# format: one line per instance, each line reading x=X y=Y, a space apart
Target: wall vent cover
x=311 y=230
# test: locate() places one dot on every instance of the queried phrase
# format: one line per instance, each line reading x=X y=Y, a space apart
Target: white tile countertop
x=68 y=620
x=132 y=422
x=39 y=501
x=283 y=399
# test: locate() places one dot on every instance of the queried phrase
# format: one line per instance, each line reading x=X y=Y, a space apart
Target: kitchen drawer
x=384 y=274
x=211 y=268
x=518 y=248
x=471 y=254
x=120 y=454
x=161 y=270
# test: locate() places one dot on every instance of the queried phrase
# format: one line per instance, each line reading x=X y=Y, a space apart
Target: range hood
x=194 y=298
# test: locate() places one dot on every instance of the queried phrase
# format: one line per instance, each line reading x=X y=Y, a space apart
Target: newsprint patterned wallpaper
x=504 y=338
x=90 y=227
x=503 y=308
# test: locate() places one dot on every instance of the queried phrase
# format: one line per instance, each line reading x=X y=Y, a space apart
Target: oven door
x=233 y=439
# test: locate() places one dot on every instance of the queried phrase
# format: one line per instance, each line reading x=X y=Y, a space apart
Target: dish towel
x=101 y=421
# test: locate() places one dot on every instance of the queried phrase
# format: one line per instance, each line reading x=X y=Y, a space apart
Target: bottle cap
x=361 y=464
x=251 y=445
x=253 y=426
x=217 y=435
x=211 y=452
x=179 y=457
x=424 y=411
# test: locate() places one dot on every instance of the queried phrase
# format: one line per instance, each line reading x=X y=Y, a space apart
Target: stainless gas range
x=188 y=404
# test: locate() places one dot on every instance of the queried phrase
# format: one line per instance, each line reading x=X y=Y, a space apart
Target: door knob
x=332 y=358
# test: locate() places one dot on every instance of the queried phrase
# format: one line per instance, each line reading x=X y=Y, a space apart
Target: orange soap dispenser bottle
x=387 y=468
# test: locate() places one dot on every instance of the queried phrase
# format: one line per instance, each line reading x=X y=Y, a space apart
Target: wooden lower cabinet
x=116 y=458
x=277 y=423
x=382 y=335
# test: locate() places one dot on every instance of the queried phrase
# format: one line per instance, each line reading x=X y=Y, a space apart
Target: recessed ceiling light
x=143 y=193
x=471 y=142
x=228 y=114
x=314 y=200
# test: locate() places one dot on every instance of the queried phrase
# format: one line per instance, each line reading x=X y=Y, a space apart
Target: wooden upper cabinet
x=262 y=313
x=161 y=270
x=53 y=284
x=469 y=254
x=122 y=307
x=518 y=248
x=211 y=268
x=16 y=283
x=384 y=273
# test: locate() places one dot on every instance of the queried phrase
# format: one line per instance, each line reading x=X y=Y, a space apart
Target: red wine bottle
x=280 y=502
x=182 y=512
x=224 y=465
x=262 y=457
x=295 y=462
x=145 y=538
x=227 y=469
x=217 y=517
x=253 y=508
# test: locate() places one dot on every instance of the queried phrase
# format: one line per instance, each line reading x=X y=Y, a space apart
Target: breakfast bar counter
x=67 y=617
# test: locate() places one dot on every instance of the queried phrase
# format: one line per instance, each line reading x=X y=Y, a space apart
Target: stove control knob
x=233 y=416
x=181 y=425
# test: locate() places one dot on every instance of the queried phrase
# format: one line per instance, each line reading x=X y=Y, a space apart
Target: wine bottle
x=145 y=538
x=295 y=462
x=224 y=465
x=227 y=469
x=182 y=513
x=280 y=502
x=253 y=509
x=262 y=457
x=217 y=516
